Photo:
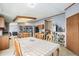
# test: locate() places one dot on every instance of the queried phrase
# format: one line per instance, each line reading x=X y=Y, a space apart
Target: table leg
x=52 y=54
x=57 y=51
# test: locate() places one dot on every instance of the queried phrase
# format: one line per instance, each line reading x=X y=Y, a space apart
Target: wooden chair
x=49 y=37
x=39 y=35
x=18 y=51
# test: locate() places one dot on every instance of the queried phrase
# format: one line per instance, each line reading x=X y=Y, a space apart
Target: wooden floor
x=63 y=51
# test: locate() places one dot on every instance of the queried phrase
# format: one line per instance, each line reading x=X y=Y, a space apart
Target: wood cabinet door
x=73 y=33
x=69 y=33
x=2 y=24
x=5 y=42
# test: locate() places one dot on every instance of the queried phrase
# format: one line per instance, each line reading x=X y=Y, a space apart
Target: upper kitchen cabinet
x=41 y=26
x=2 y=22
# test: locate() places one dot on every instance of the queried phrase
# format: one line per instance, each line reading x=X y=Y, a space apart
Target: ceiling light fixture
x=31 y=5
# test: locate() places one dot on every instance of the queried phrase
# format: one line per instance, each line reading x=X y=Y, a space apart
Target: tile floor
x=65 y=52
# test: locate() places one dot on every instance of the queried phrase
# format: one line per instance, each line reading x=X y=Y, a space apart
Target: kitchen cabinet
x=4 y=42
x=41 y=26
x=73 y=33
x=2 y=22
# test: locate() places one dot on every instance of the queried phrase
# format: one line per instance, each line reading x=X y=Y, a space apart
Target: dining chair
x=18 y=51
x=49 y=37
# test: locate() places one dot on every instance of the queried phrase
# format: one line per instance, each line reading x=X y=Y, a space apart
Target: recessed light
x=31 y=5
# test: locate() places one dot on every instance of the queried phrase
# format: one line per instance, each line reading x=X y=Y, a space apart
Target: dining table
x=36 y=47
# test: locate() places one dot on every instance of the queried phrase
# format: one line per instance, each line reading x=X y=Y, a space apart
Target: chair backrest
x=18 y=51
x=49 y=37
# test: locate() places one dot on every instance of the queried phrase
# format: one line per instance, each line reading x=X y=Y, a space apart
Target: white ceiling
x=41 y=10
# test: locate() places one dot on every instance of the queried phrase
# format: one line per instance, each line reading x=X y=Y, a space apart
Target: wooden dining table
x=35 y=47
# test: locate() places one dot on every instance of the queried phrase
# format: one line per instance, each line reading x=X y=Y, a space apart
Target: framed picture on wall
x=59 y=28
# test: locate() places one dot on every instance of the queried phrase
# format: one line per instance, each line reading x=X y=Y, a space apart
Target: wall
x=13 y=27
x=59 y=20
